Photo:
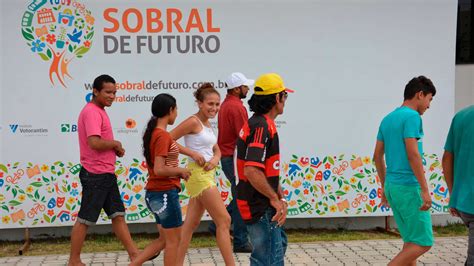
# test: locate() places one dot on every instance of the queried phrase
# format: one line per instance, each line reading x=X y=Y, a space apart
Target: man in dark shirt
x=259 y=195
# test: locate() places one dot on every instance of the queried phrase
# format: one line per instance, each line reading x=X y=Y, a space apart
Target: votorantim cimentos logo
x=28 y=130
x=58 y=31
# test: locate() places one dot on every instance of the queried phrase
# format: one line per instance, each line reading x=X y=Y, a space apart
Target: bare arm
x=161 y=169
x=285 y=204
x=280 y=192
x=416 y=163
x=99 y=144
x=380 y=161
x=448 y=165
x=217 y=152
x=215 y=159
x=185 y=150
x=381 y=168
x=448 y=170
x=188 y=126
x=281 y=195
x=197 y=157
x=414 y=158
x=258 y=180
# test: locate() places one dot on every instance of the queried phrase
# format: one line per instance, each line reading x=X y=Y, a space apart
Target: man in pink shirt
x=232 y=116
x=98 y=151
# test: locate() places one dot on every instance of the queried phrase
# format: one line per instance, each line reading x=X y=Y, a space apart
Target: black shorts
x=99 y=191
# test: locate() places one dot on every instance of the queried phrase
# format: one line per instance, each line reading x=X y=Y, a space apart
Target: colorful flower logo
x=130 y=123
x=58 y=31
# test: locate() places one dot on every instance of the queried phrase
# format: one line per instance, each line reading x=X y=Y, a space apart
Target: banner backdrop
x=348 y=62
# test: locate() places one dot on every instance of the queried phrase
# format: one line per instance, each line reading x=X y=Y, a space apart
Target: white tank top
x=201 y=142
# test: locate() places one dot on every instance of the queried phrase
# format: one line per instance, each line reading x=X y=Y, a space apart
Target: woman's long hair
x=162 y=105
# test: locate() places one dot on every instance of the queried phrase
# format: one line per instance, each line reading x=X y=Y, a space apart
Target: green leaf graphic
x=14 y=203
x=36 y=184
x=44 y=56
x=28 y=36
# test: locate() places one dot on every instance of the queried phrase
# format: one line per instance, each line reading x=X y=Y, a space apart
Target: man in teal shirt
x=404 y=186
x=458 y=167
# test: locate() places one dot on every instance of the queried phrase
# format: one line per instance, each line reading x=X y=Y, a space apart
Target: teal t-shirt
x=460 y=142
x=397 y=126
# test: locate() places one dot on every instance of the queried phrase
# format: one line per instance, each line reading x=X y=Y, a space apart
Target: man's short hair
x=418 y=84
x=100 y=80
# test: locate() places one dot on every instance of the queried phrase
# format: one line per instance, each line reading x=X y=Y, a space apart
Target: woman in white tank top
x=204 y=155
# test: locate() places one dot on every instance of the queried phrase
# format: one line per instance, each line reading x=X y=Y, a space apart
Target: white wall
x=464 y=86
x=347 y=60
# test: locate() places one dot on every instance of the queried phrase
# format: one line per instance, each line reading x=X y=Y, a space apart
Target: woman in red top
x=161 y=154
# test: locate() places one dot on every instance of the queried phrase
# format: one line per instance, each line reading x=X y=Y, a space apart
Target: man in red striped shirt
x=259 y=195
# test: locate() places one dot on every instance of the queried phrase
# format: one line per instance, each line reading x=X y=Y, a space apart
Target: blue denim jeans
x=165 y=207
x=240 y=229
x=269 y=241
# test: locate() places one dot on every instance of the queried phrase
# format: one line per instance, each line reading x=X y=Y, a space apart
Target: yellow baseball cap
x=270 y=83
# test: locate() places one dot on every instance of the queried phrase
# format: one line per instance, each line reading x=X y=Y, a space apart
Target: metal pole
x=27 y=243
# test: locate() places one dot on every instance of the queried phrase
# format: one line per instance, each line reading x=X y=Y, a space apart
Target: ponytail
x=147 y=139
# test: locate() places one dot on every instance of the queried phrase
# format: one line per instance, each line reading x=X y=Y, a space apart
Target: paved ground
x=447 y=251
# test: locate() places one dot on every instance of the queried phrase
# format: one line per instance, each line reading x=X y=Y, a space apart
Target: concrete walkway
x=447 y=251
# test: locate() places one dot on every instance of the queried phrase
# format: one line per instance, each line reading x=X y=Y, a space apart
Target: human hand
x=454 y=212
x=281 y=210
x=185 y=174
x=198 y=158
x=282 y=220
x=426 y=198
x=211 y=164
x=119 y=150
x=384 y=200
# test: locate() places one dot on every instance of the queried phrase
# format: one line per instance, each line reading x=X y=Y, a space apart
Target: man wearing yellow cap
x=259 y=197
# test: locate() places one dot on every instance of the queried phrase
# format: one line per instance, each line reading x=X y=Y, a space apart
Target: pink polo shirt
x=94 y=121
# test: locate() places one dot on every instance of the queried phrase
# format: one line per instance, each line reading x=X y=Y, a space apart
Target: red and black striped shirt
x=257 y=146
